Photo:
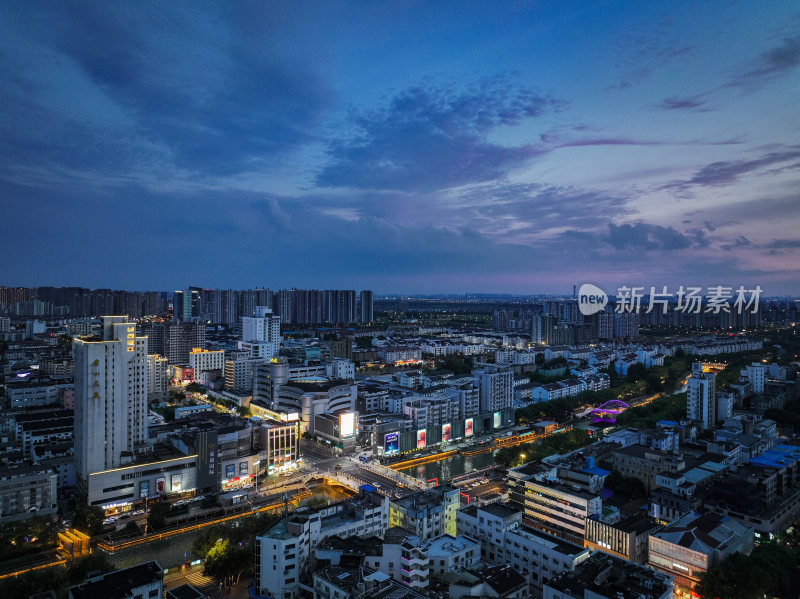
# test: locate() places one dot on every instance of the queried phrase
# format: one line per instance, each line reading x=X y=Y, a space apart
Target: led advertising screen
x=160 y=485
x=468 y=427
x=230 y=471
x=421 y=438
x=347 y=425
x=445 y=432
x=391 y=444
x=144 y=488
x=497 y=420
x=176 y=483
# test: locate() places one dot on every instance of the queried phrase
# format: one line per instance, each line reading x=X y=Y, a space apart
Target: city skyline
x=412 y=149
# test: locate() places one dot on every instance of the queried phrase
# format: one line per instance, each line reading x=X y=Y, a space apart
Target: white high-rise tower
x=261 y=334
x=701 y=397
x=111 y=381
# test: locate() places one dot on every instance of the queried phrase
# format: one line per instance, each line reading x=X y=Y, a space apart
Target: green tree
x=89 y=519
x=79 y=570
x=195 y=388
x=157 y=518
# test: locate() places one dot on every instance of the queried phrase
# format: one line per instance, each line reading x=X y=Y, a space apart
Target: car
x=138 y=513
x=180 y=503
x=377 y=485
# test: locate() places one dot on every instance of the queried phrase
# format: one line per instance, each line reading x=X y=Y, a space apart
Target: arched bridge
x=609 y=411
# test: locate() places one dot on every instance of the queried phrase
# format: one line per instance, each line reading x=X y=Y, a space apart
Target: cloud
x=740 y=241
x=774 y=62
x=727 y=172
x=643 y=236
x=692 y=103
x=150 y=92
x=784 y=244
x=428 y=139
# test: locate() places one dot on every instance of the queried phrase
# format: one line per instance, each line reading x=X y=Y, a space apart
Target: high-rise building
x=111 y=383
x=496 y=386
x=261 y=333
x=366 y=307
x=181 y=338
x=536 y=329
x=701 y=402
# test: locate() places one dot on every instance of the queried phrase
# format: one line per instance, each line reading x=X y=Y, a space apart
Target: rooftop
x=610 y=576
x=118 y=585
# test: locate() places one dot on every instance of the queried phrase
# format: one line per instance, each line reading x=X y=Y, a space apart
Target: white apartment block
x=156 y=377
x=283 y=550
x=496 y=388
x=505 y=540
x=111 y=383
x=262 y=332
x=203 y=360
x=701 y=404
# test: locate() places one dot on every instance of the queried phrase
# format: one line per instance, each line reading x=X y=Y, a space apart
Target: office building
x=181 y=338
x=560 y=510
x=111 y=382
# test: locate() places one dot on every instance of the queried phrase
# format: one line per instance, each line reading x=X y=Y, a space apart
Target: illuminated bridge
x=609 y=411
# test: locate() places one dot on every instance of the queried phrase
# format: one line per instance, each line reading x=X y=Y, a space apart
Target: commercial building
x=695 y=543
x=560 y=510
x=283 y=550
x=626 y=539
x=603 y=576
x=180 y=338
x=111 y=382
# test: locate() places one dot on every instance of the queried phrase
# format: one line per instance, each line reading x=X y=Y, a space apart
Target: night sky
x=413 y=147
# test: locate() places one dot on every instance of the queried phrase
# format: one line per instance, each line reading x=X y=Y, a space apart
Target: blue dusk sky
x=414 y=147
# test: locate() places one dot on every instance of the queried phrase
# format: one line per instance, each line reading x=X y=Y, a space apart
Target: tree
x=89 y=519
x=195 y=388
x=79 y=570
x=157 y=519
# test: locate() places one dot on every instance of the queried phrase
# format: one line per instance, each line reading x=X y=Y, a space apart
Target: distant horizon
x=382 y=295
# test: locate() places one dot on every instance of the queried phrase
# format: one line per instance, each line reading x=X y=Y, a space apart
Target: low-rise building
x=282 y=550
x=626 y=539
x=427 y=514
x=145 y=581
x=604 y=576
x=693 y=544
x=27 y=491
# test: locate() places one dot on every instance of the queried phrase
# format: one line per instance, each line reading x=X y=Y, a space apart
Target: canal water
x=176 y=550
x=451 y=467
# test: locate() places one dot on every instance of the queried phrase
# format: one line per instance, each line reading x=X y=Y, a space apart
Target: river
x=451 y=467
x=176 y=550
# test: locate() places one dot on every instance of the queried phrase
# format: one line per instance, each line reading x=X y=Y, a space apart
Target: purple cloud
x=428 y=139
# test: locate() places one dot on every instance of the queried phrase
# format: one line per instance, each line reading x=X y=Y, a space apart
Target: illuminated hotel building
x=111 y=383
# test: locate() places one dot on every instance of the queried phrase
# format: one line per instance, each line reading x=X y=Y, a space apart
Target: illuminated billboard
x=347 y=425
x=144 y=488
x=468 y=430
x=445 y=432
x=176 y=483
x=391 y=444
x=497 y=420
x=421 y=439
